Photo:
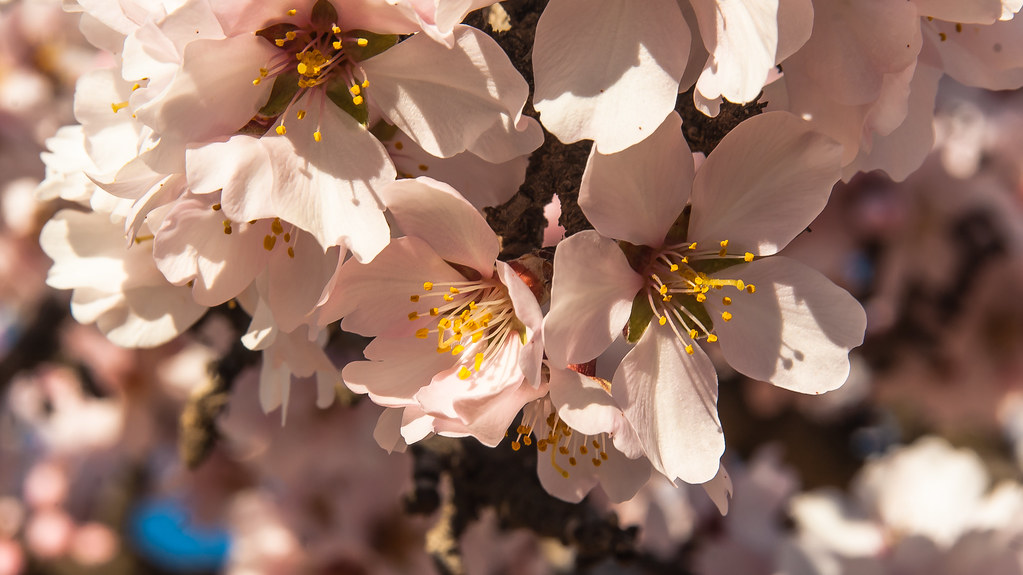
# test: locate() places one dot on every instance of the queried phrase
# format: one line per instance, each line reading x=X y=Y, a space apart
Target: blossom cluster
x=316 y=161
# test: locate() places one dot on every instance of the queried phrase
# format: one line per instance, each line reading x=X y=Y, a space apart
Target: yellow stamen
x=711 y=337
x=464 y=373
x=413 y=298
x=726 y=300
x=357 y=100
x=726 y=316
x=422 y=333
x=689 y=349
x=281 y=130
x=748 y=257
x=269 y=242
x=413 y=316
x=117 y=107
x=300 y=115
x=362 y=42
x=427 y=286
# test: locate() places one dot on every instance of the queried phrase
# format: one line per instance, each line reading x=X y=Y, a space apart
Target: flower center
x=677 y=287
x=315 y=52
x=471 y=320
x=568 y=448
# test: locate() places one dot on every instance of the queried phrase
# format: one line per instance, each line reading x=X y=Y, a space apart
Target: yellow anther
x=444 y=323
x=281 y=130
x=291 y=35
x=279 y=42
x=477 y=336
x=572 y=461
x=357 y=100
x=447 y=297
x=464 y=373
x=256 y=81
x=287 y=236
x=726 y=300
x=726 y=316
x=227 y=227
x=300 y=115
x=422 y=333
x=748 y=257
x=662 y=320
x=317 y=136
x=689 y=349
x=413 y=298
x=269 y=242
x=423 y=167
x=693 y=333
x=711 y=337
x=596 y=462
x=667 y=297
x=335 y=29
x=137 y=86
x=434 y=311
x=603 y=455
x=724 y=243
x=413 y=316
x=292 y=12
x=739 y=285
x=291 y=252
x=216 y=207
x=698 y=280
x=118 y=106
x=692 y=246
x=477 y=363
x=276 y=227
x=527 y=440
x=472 y=305
x=563 y=450
x=583 y=449
x=443 y=349
x=362 y=42
x=701 y=297
x=453 y=290
x=427 y=286
x=751 y=288
x=515 y=444
x=457 y=349
x=355 y=90
x=674 y=267
x=336 y=44
x=365 y=84
x=663 y=289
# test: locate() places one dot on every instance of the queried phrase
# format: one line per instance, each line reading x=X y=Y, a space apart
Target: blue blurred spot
x=164 y=533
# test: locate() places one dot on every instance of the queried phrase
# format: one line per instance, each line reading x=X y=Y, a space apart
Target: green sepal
x=696 y=308
x=284 y=89
x=337 y=91
x=714 y=265
x=377 y=43
x=640 y=317
x=384 y=131
x=679 y=231
x=324 y=15
x=277 y=32
x=637 y=256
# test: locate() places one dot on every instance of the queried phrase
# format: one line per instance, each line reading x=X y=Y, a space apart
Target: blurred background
x=913 y=466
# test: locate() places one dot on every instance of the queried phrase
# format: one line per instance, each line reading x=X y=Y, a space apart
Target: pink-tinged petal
x=527 y=310
x=583 y=403
x=636 y=194
x=374 y=298
x=591 y=298
x=110 y=136
x=296 y=282
x=976 y=12
x=387 y=432
x=507 y=139
x=437 y=214
x=743 y=40
x=439 y=18
x=191 y=246
x=795 y=331
x=853 y=46
x=138 y=318
x=397 y=369
x=446 y=99
x=904 y=150
x=241 y=168
x=615 y=77
x=670 y=399
x=212 y=95
x=988 y=57
x=719 y=490
x=479 y=181
x=795 y=25
x=328 y=188
x=763 y=184
x=580 y=481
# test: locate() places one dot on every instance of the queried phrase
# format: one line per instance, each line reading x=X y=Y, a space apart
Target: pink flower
x=458 y=343
x=679 y=276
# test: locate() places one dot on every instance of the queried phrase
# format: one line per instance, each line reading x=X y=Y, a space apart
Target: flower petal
x=591 y=298
x=764 y=183
x=609 y=74
x=795 y=331
x=397 y=368
x=636 y=194
x=670 y=398
x=743 y=41
x=527 y=310
x=437 y=214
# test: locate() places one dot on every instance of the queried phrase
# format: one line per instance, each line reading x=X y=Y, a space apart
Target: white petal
x=610 y=74
x=437 y=214
x=636 y=194
x=975 y=12
x=670 y=398
x=396 y=370
x=743 y=40
x=527 y=310
x=795 y=331
x=446 y=99
x=763 y=184
x=719 y=490
x=591 y=298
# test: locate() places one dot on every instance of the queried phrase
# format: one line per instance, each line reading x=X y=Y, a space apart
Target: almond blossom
x=457 y=334
x=680 y=276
